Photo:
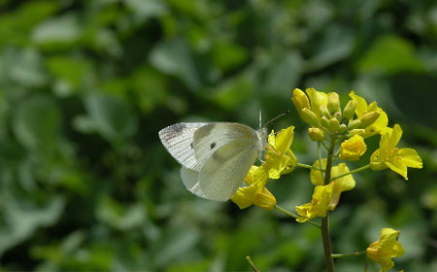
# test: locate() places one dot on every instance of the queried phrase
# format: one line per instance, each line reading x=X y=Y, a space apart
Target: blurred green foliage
x=86 y=85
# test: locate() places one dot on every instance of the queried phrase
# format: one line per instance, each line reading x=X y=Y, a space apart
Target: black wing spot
x=213 y=145
x=192 y=145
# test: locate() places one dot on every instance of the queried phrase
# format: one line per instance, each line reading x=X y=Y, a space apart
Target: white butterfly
x=215 y=157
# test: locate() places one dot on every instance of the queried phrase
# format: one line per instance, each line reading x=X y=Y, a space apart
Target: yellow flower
x=362 y=109
x=279 y=158
x=386 y=248
x=255 y=193
x=318 y=206
x=353 y=148
x=397 y=159
x=339 y=185
x=317 y=100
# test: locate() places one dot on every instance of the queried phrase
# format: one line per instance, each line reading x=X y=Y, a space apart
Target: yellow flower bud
x=334 y=125
x=316 y=134
x=349 y=110
x=342 y=128
x=300 y=101
x=323 y=109
x=353 y=148
x=325 y=122
x=309 y=117
x=354 y=124
x=333 y=103
x=265 y=200
x=357 y=131
x=338 y=116
x=369 y=118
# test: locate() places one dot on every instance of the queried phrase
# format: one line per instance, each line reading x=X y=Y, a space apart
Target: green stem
x=352 y=172
x=327 y=247
x=252 y=265
x=310 y=167
x=295 y=216
x=358 y=253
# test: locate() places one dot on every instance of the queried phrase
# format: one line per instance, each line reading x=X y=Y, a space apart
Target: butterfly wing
x=178 y=140
x=226 y=169
x=210 y=138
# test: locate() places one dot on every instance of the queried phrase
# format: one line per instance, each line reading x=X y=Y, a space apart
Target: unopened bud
x=316 y=134
x=356 y=132
x=342 y=128
x=334 y=125
x=310 y=117
x=354 y=124
x=338 y=116
x=325 y=122
x=369 y=118
x=333 y=103
x=265 y=200
x=324 y=111
x=349 y=110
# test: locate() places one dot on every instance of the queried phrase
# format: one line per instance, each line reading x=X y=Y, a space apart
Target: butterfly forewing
x=178 y=140
x=210 y=138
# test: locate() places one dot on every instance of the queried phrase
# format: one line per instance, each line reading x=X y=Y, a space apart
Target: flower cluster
x=342 y=132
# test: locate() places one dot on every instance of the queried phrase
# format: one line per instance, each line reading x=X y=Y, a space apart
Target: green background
x=85 y=86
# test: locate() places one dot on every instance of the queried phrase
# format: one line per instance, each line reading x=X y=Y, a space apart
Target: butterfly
x=215 y=157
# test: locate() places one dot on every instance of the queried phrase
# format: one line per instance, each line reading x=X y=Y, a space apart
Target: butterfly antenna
x=277 y=117
x=260 y=118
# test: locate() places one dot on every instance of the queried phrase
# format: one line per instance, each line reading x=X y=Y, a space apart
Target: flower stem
x=295 y=216
x=252 y=265
x=352 y=172
x=309 y=167
x=325 y=220
x=358 y=253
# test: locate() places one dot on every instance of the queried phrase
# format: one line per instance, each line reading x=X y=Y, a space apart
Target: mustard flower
x=279 y=158
x=353 y=148
x=362 y=109
x=386 y=248
x=318 y=206
x=255 y=192
x=339 y=185
x=389 y=156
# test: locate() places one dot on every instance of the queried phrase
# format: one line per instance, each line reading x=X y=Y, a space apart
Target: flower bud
x=354 y=124
x=300 y=100
x=349 y=110
x=353 y=148
x=334 y=125
x=369 y=118
x=338 y=116
x=356 y=132
x=324 y=111
x=316 y=134
x=342 y=128
x=309 y=117
x=265 y=200
x=325 y=122
x=333 y=103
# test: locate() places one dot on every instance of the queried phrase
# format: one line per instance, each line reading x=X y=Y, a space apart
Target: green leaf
x=22 y=217
x=113 y=118
x=59 y=31
x=37 y=122
x=118 y=216
x=174 y=58
x=390 y=54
